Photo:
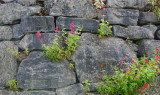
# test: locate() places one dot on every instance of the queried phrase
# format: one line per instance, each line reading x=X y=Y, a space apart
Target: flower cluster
x=39 y=36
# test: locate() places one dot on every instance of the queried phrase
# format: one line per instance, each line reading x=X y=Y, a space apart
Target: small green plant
x=55 y=52
x=104 y=29
x=133 y=80
x=14 y=53
x=12 y=84
x=71 y=66
x=86 y=88
x=156 y=7
x=26 y=51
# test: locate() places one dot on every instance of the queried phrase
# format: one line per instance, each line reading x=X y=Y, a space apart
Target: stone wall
x=36 y=75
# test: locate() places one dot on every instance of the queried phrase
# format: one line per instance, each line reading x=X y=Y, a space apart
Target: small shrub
x=86 y=88
x=104 y=29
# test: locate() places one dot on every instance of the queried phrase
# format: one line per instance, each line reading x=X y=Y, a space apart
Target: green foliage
x=14 y=53
x=86 y=88
x=55 y=52
x=26 y=51
x=12 y=84
x=156 y=7
x=71 y=66
x=104 y=29
x=133 y=80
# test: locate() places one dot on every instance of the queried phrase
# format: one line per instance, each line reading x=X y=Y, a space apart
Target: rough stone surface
x=6 y=1
x=93 y=87
x=8 y=64
x=79 y=8
x=158 y=34
x=132 y=32
x=70 y=90
x=140 y=4
x=152 y=28
x=5 y=33
x=148 y=17
x=13 y=12
x=91 y=52
x=120 y=16
x=87 y=24
x=26 y=2
x=32 y=43
x=38 y=73
x=5 y=92
x=35 y=9
x=37 y=24
x=17 y=32
x=147 y=47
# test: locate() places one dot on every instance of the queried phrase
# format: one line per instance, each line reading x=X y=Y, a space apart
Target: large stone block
x=33 y=43
x=5 y=92
x=132 y=32
x=91 y=52
x=8 y=63
x=148 y=17
x=17 y=32
x=158 y=34
x=138 y=4
x=79 y=8
x=37 y=24
x=89 y=25
x=11 y=12
x=38 y=73
x=5 y=33
x=70 y=90
x=147 y=47
x=120 y=16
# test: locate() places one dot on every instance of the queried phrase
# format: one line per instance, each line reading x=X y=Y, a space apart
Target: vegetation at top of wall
x=55 y=52
x=134 y=79
x=156 y=7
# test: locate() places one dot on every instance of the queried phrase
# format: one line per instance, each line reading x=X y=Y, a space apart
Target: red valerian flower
x=127 y=69
x=99 y=75
x=142 y=91
x=145 y=85
x=38 y=34
x=126 y=55
x=139 y=65
x=135 y=75
x=146 y=60
x=125 y=80
x=101 y=65
x=155 y=63
x=156 y=68
x=132 y=61
x=41 y=38
x=136 y=90
x=71 y=26
x=121 y=62
x=56 y=29
x=6 y=45
x=156 y=72
x=157 y=49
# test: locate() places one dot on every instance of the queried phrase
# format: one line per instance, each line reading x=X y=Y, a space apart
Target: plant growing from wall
x=12 y=84
x=156 y=7
x=133 y=80
x=104 y=29
x=55 y=52
x=86 y=88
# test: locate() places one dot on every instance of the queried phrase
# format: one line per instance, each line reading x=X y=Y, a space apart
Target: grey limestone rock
x=37 y=24
x=10 y=13
x=31 y=41
x=26 y=2
x=132 y=32
x=17 y=32
x=91 y=52
x=138 y=4
x=6 y=1
x=38 y=73
x=120 y=16
x=70 y=90
x=148 y=17
x=8 y=63
x=5 y=92
x=89 y=25
x=152 y=28
x=158 y=34
x=79 y=8
x=5 y=33
x=148 y=47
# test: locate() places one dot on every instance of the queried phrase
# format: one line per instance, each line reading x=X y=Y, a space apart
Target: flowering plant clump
x=55 y=52
x=156 y=7
x=133 y=80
